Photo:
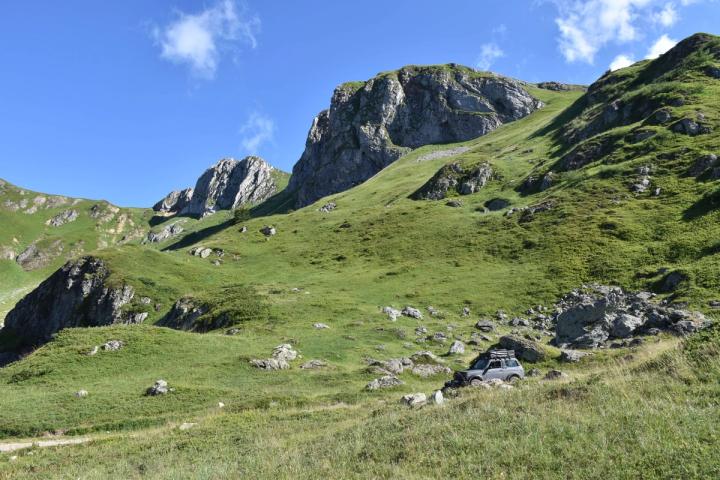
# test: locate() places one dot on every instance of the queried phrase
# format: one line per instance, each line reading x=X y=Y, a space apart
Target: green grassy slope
x=377 y=248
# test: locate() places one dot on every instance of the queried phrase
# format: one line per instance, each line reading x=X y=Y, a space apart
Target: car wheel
x=513 y=379
x=475 y=382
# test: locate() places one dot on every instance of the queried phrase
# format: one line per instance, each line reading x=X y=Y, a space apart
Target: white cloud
x=199 y=39
x=257 y=130
x=621 y=61
x=667 y=16
x=586 y=26
x=489 y=52
x=661 y=45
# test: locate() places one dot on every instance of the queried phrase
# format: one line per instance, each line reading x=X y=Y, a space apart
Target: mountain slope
x=374 y=246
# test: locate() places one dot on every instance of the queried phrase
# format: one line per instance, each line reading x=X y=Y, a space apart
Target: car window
x=512 y=363
x=480 y=364
x=494 y=364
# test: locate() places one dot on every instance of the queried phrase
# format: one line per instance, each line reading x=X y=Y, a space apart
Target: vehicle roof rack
x=502 y=354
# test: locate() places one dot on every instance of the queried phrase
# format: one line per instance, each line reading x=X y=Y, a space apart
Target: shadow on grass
x=199 y=236
x=703 y=206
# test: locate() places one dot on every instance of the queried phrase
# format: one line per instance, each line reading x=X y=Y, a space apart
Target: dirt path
x=12 y=447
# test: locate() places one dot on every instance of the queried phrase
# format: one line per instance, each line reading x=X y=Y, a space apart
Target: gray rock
x=168 y=231
x=320 y=326
x=412 y=312
x=485 y=326
x=268 y=230
x=425 y=370
x=454 y=203
x=159 y=388
x=524 y=349
x=465 y=312
x=63 y=218
x=328 y=207
x=713 y=72
x=313 y=365
x=425 y=357
x=231 y=184
x=81 y=393
x=184 y=315
x=372 y=124
x=270 y=364
x=414 y=400
x=456 y=348
x=392 y=313
x=175 y=201
x=74 y=296
x=285 y=352
x=534 y=372
x=555 y=375
x=388 y=381
x=702 y=164
x=113 y=345
x=454 y=178
x=93 y=351
x=571 y=356
x=7 y=253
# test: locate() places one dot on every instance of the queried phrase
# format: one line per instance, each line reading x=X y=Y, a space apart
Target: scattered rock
x=63 y=218
x=457 y=348
x=232 y=331
x=702 y=164
x=392 y=313
x=555 y=375
x=572 y=356
x=425 y=357
x=388 y=381
x=414 y=400
x=328 y=207
x=186 y=426
x=454 y=203
x=93 y=351
x=534 y=372
x=202 y=252
x=35 y=257
x=313 y=365
x=285 y=352
x=167 y=232
x=412 y=312
x=270 y=364
x=113 y=346
x=425 y=370
x=437 y=398
x=268 y=231
x=81 y=393
x=465 y=312
x=320 y=326
x=159 y=388
x=485 y=326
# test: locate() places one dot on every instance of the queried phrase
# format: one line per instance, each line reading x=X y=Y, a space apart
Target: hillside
x=616 y=185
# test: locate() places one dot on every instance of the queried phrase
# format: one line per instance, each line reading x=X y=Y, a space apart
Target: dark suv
x=495 y=364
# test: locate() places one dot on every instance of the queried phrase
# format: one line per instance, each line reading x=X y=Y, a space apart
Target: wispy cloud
x=257 y=130
x=587 y=26
x=199 y=39
x=621 y=61
x=666 y=17
x=661 y=45
x=489 y=52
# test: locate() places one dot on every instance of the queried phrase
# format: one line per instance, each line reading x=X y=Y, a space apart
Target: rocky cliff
x=226 y=185
x=77 y=295
x=371 y=124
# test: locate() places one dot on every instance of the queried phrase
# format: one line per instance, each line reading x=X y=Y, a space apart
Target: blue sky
x=128 y=100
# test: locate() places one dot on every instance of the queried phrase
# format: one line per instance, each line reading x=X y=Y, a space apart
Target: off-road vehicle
x=495 y=364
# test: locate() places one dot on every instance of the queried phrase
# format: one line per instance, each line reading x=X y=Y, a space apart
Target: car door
x=494 y=370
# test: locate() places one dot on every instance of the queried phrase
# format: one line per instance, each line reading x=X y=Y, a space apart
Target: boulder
x=465 y=312
x=412 y=312
x=437 y=398
x=268 y=230
x=369 y=125
x=387 y=381
x=160 y=387
x=112 y=345
x=285 y=352
x=320 y=326
x=63 y=218
x=425 y=370
x=270 y=364
x=313 y=365
x=81 y=393
x=702 y=164
x=457 y=348
x=414 y=400
x=571 y=356
x=167 y=232
x=425 y=357
x=454 y=178
x=392 y=313
x=524 y=349
x=485 y=326
x=555 y=375
x=328 y=207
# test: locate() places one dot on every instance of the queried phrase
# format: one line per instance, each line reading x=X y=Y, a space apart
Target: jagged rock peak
x=226 y=185
x=371 y=124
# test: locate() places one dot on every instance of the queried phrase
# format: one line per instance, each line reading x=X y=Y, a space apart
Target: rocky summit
x=371 y=124
x=226 y=185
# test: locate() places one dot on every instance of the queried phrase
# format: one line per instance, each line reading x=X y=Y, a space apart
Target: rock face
x=371 y=124
x=226 y=185
x=175 y=201
x=74 y=296
x=454 y=178
x=589 y=318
